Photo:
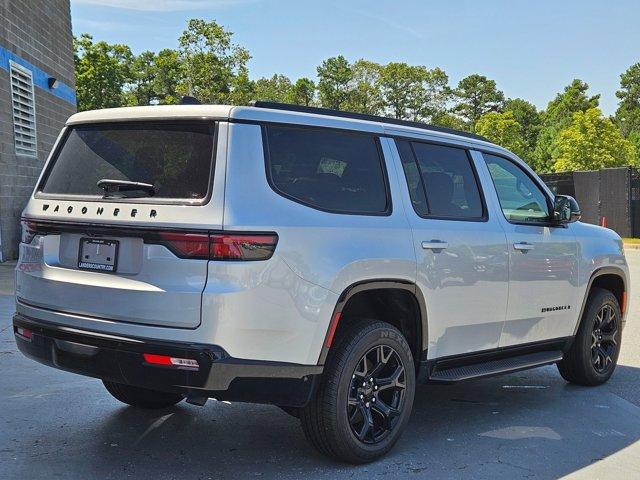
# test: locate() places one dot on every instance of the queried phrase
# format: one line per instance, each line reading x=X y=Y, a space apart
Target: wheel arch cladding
x=612 y=279
x=399 y=303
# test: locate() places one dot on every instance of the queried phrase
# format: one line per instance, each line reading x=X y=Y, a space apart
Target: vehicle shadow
x=526 y=425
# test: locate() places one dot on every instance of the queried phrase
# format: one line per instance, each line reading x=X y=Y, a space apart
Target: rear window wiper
x=111 y=186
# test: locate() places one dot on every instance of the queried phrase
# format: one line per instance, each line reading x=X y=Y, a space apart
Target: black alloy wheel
x=364 y=397
x=376 y=394
x=603 y=339
x=593 y=354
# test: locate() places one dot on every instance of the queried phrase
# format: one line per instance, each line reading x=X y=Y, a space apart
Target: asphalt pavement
x=530 y=424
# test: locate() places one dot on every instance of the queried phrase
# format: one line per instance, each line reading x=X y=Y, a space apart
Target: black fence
x=609 y=197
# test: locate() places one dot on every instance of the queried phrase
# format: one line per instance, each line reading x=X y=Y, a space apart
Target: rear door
x=134 y=253
x=543 y=258
x=460 y=249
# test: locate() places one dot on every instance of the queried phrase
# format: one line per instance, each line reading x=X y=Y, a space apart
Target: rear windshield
x=174 y=157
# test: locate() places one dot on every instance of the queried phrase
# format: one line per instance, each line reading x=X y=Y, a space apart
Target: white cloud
x=161 y=5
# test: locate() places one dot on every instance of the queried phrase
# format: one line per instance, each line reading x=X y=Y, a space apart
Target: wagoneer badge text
x=553 y=309
x=100 y=210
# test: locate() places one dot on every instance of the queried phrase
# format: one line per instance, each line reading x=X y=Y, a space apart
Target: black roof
x=364 y=116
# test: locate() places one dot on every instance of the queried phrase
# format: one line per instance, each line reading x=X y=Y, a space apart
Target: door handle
x=523 y=246
x=435 y=245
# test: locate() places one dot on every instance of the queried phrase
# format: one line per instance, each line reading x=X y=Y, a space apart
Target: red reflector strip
x=157 y=359
x=24 y=333
x=168 y=361
x=623 y=306
x=332 y=329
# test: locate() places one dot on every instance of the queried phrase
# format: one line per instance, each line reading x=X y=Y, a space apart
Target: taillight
x=29 y=230
x=220 y=246
x=242 y=246
x=187 y=245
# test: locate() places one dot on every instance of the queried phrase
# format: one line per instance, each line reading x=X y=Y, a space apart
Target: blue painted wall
x=40 y=77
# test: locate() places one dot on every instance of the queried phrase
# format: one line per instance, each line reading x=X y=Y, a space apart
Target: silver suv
x=320 y=261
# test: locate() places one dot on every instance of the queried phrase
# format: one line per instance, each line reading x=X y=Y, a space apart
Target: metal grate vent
x=24 y=112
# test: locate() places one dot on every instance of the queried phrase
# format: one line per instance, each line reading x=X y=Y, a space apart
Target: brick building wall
x=36 y=35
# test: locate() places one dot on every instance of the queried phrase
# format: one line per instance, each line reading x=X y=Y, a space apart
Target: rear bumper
x=120 y=359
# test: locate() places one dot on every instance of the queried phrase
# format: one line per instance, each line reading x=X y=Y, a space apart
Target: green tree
x=334 y=82
x=102 y=71
x=628 y=112
x=475 y=96
x=141 y=90
x=210 y=62
x=527 y=116
x=557 y=117
x=502 y=129
x=168 y=75
x=275 y=89
x=364 y=92
x=414 y=92
x=303 y=92
x=448 y=120
x=591 y=142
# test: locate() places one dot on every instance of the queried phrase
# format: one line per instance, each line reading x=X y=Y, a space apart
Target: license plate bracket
x=98 y=254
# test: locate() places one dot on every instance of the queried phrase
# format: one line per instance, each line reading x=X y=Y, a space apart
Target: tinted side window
x=337 y=171
x=520 y=198
x=412 y=174
x=448 y=180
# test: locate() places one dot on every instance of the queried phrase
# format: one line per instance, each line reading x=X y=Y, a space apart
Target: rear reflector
x=332 y=329
x=219 y=246
x=25 y=333
x=168 y=361
x=623 y=306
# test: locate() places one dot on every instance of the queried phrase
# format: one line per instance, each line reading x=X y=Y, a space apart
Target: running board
x=495 y=367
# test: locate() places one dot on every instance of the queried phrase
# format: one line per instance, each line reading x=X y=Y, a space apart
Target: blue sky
x=531 y=48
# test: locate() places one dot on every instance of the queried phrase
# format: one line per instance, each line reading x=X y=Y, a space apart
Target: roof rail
x=363 y=116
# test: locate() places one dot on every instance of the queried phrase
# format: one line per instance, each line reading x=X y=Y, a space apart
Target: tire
x=337 y=413
x=142 y=397
x=593 y=355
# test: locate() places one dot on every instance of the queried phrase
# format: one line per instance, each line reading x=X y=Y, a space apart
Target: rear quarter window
x=175 y=157
x=330 y=170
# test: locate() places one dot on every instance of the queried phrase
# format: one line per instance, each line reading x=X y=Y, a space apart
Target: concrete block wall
x=37 y=34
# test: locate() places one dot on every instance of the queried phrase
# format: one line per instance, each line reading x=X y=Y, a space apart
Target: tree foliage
x=102 y=71
x=206 y=63
x=527 y=115
x=590 y=142
x=477 y=95
x=210 y=61
x=335 y=76
x=502 y=129
x=364 y=94
x=414 y=92
x=628 y=113
x=274 y=89
x=557 y=116
x=303 y=92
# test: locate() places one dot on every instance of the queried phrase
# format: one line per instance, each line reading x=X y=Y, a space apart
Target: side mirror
x=566 y=210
